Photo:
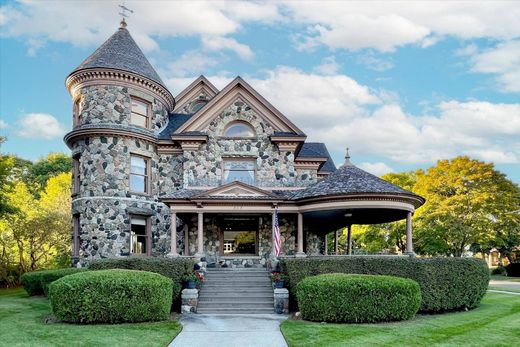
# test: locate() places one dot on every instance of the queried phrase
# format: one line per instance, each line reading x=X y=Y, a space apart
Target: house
x=202 y=173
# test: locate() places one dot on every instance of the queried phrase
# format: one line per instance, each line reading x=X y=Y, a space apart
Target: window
x=75 y=236
x=139 y=114
x=239 y=170
x=138 y=174
x=198 y=105
x=239 y=129
x=139 y=235
x=76 y=110
x=75 y=175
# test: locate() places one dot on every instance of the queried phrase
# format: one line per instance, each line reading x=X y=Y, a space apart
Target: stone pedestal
x=190 y=299
x=281 y=300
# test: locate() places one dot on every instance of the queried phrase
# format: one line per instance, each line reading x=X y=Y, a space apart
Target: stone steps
x=242 y=290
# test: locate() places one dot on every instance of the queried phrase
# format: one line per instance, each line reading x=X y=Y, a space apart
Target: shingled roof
x=318 y=149
x=121 y=52
x=348 y=180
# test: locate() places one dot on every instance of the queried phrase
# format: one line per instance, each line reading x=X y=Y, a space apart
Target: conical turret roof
x=121 y=52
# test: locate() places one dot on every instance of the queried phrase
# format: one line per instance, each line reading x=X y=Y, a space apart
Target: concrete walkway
x=505 y=285
x=236 y=330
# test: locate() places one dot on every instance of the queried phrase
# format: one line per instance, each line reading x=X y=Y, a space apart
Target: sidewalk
x=208 y=330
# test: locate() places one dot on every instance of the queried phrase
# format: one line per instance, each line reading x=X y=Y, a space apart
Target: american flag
x=276 y=235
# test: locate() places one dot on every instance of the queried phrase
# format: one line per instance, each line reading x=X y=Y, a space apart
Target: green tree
x=467 y=202
x=49 y=166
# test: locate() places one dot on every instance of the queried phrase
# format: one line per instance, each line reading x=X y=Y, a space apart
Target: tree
x=49 y=166
x=467 y=201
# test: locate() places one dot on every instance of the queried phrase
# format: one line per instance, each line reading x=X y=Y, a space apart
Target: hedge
x=111 y=296
x=513 y=270
x=37 y=282
x=171 y=268
x=446 y=283
x=357 y=298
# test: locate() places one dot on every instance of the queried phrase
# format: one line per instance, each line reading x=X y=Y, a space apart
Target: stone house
x=201 y=174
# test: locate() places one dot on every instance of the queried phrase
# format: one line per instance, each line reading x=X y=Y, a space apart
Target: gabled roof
x=197 y=86
x=122 y=53
x=317 y=150
x=239 y=89
x=350 y=180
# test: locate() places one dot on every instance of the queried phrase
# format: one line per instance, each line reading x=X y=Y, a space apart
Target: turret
x=120 y=105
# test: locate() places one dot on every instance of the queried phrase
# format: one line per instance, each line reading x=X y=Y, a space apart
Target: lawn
x=495 y=323
x=22 y=324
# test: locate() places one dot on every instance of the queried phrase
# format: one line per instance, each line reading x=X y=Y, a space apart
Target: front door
x=238 y=235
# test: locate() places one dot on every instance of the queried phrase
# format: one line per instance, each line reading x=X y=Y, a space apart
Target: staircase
x=245 y=290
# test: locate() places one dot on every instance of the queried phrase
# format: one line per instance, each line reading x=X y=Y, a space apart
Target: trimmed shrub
x=174 y=269
x=111 y=296
x=357 y=298
x=37 y=282
x=499 y=270
x=513 y=269
x=446 y=283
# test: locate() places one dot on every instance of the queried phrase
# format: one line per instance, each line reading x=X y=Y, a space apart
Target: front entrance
x=238 y=235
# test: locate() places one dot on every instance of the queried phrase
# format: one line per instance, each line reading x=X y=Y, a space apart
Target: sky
x=403 y=84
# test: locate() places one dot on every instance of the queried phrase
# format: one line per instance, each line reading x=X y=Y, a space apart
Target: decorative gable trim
x=200 y=85
x=235 y=189
x=238 y=89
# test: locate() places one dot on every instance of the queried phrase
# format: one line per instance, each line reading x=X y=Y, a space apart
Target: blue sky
x=403 y=84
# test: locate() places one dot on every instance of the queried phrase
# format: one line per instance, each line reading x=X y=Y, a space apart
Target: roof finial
x=347 y=159
x=124 y=14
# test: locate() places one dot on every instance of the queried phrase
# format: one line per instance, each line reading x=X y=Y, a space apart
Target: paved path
x=505 y=285
x=502 y=292
x=221 y=330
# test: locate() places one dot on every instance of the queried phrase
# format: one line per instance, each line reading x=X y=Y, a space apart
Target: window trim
x=75 y=235
x=230 y=124
x=146 y=116
x=148 y=234
x=75 y=175
x=228 y=159
x=76 y=112
x=147 y=182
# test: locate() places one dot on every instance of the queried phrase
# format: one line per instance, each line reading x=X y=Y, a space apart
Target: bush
x=37 y=282
x=446 y=283
x=499 y=270
x=358 y=298
x=111 y=296
x=171 y=268
x=513 y=270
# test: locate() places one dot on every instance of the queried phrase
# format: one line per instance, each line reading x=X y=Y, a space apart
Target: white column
x=300 y=253
x=326 y=252
x=200 y=235
x=349 y=240
x=173 y=236
x=409 y=245
x=336 y=243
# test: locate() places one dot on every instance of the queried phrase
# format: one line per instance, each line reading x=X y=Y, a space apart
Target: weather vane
x=124 y=14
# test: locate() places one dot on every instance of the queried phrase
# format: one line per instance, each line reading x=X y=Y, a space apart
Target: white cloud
x=387 y=25
x=40 y=126
x=372 y=62
x=502 y=61
x=3 y=124
x=215 y=43
x=378 y=169
x=328 y=66
x=190 y=63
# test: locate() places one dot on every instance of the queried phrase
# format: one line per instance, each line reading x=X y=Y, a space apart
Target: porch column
x=336 y=243
x=409 y=245
x=173 y=236
x=326 y=252
x=300 y=253
x=349 y=240
x=200 y=235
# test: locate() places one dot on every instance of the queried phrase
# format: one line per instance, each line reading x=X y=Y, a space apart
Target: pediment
x=200 y=89
x=236 y=190
x=239 y=90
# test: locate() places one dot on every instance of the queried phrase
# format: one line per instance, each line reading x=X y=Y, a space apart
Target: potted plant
x=190 y=279
x=279 y=279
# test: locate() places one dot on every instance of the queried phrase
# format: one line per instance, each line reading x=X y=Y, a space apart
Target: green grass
x=495 y=323
x=22 y=324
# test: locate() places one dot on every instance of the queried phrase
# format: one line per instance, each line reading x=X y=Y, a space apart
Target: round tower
x=120 y=106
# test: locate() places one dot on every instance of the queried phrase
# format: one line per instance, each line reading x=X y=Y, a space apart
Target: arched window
x=198 y=105
x=239 y=129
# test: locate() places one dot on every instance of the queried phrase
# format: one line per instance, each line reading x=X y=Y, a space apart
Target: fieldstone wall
x=315 y=244
x=205 y=166
x=111 y=104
